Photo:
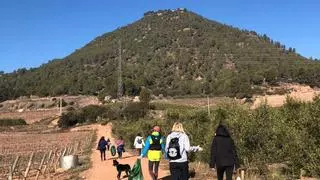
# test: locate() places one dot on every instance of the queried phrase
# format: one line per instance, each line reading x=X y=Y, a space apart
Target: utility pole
x=120 y=88
x=208 y=105
x=60 y=106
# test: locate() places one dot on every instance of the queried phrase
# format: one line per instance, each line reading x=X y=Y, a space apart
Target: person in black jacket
x=102 y=147
x=223 y=154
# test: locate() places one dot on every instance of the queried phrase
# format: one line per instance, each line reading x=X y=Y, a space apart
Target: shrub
x=134 y=111
x=111 y=114
x=71 y=109
x=12 y=122
x=71 y=103
x=145 y=95
x=69 y=119
x=91 y=112
x=88 y=114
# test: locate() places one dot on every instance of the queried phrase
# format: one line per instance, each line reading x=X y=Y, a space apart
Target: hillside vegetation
x=176 y=53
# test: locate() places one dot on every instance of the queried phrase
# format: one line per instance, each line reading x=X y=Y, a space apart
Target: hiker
x=223 y=154
x=108 y=145
x=102 y=148
x=177 y=148
x=138 y=143
x=120 y=147
x=154 y=146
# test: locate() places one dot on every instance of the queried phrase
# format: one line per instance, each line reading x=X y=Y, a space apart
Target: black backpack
x=139 y=140
x=156 y=145
x=174 y=149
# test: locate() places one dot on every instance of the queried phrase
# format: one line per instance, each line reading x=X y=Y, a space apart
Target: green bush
x=111 y=114
x=91 y=112
x=69 y=119
x=134 y=111
x=145 y=95
x=12 y=122
x=71 y=103
x=87 y=114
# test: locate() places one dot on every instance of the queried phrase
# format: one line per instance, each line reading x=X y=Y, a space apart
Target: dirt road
x=103 y=170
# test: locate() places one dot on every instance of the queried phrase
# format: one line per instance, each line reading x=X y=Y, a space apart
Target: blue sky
x=32 y=32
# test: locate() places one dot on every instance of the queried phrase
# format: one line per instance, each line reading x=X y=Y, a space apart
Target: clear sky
x=32 y=32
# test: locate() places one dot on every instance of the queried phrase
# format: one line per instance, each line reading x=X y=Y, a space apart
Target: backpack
x=113 y=150
x=155 y=143
x=174 y=149
x=139 y=140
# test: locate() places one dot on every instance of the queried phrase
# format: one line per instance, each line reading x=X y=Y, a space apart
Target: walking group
x=176 y=148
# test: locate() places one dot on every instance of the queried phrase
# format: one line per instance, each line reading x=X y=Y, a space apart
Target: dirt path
x=103 y=170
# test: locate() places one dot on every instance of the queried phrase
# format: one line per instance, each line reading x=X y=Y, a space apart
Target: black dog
x=121 y=167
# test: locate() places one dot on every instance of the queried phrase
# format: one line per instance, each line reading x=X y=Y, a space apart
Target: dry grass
x=30 y=116
x=196 y=102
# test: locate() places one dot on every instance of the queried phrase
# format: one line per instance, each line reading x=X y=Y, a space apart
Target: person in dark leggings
x=108 y=145
x=179 y=171
x=227 y=169
x=223 y=154
x=154 y=168
x=153 y=148
x=177 y=149
x=102 y=148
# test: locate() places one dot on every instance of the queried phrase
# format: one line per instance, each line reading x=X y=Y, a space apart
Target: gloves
x=199 y=148
x=195 y=148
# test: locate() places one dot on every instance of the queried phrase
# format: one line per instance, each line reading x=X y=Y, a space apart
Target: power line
x=120 y=88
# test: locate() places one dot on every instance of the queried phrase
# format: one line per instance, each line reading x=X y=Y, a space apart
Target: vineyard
x=24 y=155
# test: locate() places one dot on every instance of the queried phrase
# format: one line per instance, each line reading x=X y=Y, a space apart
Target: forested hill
x=171 y=52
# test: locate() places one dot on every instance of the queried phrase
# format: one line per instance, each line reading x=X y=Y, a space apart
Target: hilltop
x=171 y=52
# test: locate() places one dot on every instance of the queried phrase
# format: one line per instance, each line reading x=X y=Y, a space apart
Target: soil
x=35 y=109
x=296 y=91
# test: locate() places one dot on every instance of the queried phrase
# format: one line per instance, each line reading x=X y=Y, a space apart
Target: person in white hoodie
x=177 y=148
x=138 y=143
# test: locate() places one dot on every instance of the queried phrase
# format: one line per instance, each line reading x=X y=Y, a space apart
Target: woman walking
x=138 y=143
x=108 y=145
x=177 y=148
x=223 y=154
x=102 y=148
x=153 y=148
x=120 y=147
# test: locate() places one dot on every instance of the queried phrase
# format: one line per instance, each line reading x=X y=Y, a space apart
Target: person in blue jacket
x=153 y=149
x=102 y=148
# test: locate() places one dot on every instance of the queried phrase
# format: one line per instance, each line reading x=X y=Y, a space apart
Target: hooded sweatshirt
x=184 y=144
x=136 y=143
x=223 y=151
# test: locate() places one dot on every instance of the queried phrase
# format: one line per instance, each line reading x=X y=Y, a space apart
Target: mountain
x=171 y=52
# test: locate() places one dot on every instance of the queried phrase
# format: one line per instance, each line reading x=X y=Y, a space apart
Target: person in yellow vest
x=154 y=146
